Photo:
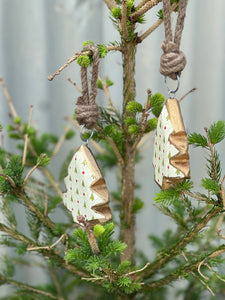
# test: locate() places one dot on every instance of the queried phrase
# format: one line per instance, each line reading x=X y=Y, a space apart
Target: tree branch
x=27 y=287
x=44 y=219
x=154 y=26
x=33 y=169
x=51 y=254
x=173 y=251
x=143 y=9
x=110 y=3
x=8 y=98
x=11 y=181
x=26 y=137
x=15 y=234
x=185 y=269
x=73 y=58
x=150 y=30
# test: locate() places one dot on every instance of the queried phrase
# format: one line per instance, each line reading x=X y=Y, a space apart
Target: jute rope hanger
x=87 y=110
x=173 y=60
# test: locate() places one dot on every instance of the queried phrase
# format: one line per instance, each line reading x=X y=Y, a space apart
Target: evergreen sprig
x=13 y=169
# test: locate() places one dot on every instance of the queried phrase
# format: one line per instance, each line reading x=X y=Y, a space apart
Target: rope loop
x=87 y=110
x=173 y=60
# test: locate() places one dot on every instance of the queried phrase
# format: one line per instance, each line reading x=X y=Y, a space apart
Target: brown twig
x=150 y=30
x=27 y=287
x=143 y=9
x=33 y=169
x=154 y=26
x=48 y=247
x=186 y=269
x=74 y=84
x=196 y=196
x=161 y=261
x=115 y=150
x=114 y=147
x=191 y=91
x=137 y=271
x=8 y=98
x=26 y=137
x=44 y=219
x=9 y=179
x=220 y=235
x=199 y=270
x=141 y=3
x=60 y=142
x=69 y=61
x=110 y=3
x=73 y=58
x=105 y=88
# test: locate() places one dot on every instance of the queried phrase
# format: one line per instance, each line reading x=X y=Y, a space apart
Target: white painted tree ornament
x=86 y=194
x=171 y=159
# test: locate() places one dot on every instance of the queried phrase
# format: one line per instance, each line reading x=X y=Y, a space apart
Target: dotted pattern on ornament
x=79 y=198
x=164 y=150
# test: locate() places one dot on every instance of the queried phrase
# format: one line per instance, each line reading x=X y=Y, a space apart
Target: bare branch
x=60 y=142
x=220 y=235
x=141 y=3
x=114 y=48
x=105 y=88
x=155 y=26
x=142 y=10
x=26 y=137
x=110 y=3
x=199 y=270
x=191 y=91
x=27 y=287
x=140 y=270
x=74 y=83
x=48 y=247
x=69 y=61
x=33 y=169
x=8 y=98
x=73 y=58
x=9 y=179
x=150 y=30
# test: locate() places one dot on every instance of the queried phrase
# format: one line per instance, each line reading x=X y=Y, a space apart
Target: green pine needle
x=113 y=248
x=211 y=185
x=156 y=102
x=217 y=132
x=197 y=140
x=134 y=107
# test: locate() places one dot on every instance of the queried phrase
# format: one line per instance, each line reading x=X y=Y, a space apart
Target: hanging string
x=173 y=60
x=87 y=110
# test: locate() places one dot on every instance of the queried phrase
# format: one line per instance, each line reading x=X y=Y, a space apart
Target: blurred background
x=38 y=36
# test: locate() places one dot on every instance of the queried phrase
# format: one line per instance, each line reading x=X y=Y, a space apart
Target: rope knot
x=87 y=110
x=172 y=61
x=86 y=114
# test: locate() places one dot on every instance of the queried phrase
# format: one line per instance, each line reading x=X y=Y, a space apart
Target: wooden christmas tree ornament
x=171 y=160
x=86 y=194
